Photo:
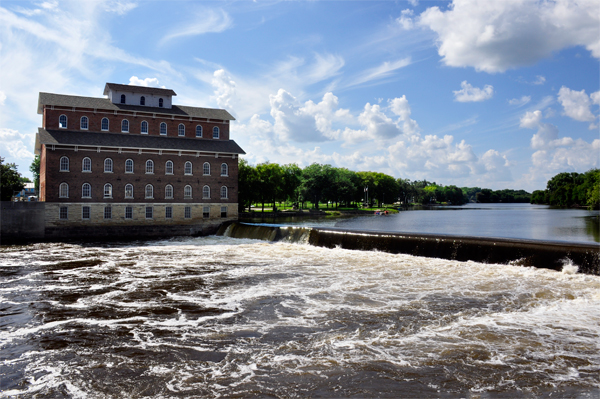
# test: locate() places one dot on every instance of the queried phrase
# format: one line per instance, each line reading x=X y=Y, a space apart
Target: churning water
x=223 y=317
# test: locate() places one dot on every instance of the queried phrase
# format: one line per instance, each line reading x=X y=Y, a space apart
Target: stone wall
x=22 y=221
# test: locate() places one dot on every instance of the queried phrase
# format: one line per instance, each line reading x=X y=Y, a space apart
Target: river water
x=221 y=317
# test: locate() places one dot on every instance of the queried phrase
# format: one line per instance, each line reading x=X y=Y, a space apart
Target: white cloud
x=576 y=104
x=17 y=145
x=119 y=7
x=531 y=120
x=2 y=97
x=400 y=107
x=382 y=71
x=405 y=20
x=224 y=89
x=469 y=93
x=203 y=21
x=520 y=101
x=539 y=80
x=148 y=82
x=595 y=97
x=494 y=36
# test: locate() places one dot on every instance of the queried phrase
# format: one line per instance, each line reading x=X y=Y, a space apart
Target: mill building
x=134 y=163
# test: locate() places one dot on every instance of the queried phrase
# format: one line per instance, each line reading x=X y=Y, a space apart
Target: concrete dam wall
x=543 y=254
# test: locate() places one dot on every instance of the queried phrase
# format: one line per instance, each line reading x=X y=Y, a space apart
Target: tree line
x=271 y=183
x=571 y=190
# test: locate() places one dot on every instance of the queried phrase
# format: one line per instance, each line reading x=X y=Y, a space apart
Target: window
x=224 y=169
x=85 y=212
x=224 y=192
x=205 y=192
x=62 y=121
x=129 y=166
x=149 y=166
x=198 y=131
x=149 y=191
x=144 y=127
x=169 y=168
x=215 y=132
x=187 y=168
x=107 y=212
x=108 y=190
x=206 y=169
x=86 y=190
x=181 y=130
x=108 y=165
x=86 y=165
x=187 y=192
x=63 y=190
x=64 y=164
x=83 y=123
x=104 y=124
x=223 y=211
x=125 y=126
x=160 y=103
x=63 y=212
x=122 y=98
x=168 y=212
x=168 y=191
x=129 y=191
x=187 y=212
x=128 y=212
x=206 y=211
x=163 y=128
x=142 y=100
x=149 y=212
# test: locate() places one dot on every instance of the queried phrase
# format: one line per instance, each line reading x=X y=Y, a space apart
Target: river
x=218 y=317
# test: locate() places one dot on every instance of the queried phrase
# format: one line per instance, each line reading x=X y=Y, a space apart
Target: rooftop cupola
x=139 y=95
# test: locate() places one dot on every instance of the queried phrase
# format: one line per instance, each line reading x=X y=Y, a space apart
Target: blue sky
x=497 y=94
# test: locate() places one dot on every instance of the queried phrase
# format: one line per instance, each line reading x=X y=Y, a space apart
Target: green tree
x=248 y=185
x=270 y=183
x=35 y=169
x=292 y=178
x=10 y=180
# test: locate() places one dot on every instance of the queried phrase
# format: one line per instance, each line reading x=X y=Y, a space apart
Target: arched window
x=129 y=166
x=149 y=191
x=160 y=102
x=181 y=130
x=149 y=166
x=125 y=126
x=144 y=127
x=215 y=132
x=206 y=169
x=169 y=168
x=223 y=192
x=163 y=128
x=187 y=168
x=86 y=165
x=64 y=164
x=108 y=165
x=168 y=191
x=63 y=190
x=205 y=192
x=108 y=190
x=198 y=131
x=224 y=169
x=83 y=123
x=86 y=190
x=104 y=124
x=122 y=98
x=187 y=192
x=62 y=121
x=142 y=100
x=129 y=191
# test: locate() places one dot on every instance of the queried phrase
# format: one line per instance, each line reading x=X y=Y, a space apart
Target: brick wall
x=53 y=177
x=51 y=117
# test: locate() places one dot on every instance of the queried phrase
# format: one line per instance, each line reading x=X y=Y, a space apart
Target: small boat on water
x=379 y=212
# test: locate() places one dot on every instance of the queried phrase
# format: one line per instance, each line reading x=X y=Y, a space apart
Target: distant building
x=134 y=162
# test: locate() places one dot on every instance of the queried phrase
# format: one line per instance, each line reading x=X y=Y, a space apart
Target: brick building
x=134 y=163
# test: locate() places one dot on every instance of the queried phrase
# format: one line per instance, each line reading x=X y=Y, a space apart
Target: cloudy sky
x=498 y=94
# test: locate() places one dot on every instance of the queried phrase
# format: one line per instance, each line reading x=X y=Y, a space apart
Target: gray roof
x=118 y=140
x=138 y=89
x=64 y=100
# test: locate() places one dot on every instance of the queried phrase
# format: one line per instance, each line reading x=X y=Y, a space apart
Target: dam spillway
x=537 y=253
